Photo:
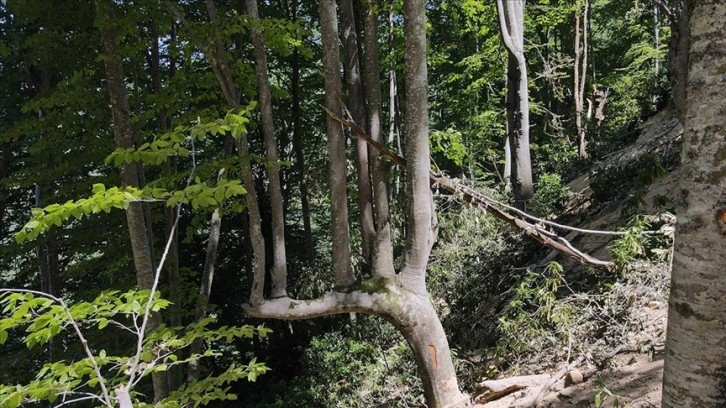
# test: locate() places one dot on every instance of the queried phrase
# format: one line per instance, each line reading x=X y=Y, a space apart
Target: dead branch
x=469 y=196
x=495 y=395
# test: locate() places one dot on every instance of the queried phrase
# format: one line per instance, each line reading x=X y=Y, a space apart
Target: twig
x=495 y=395
x=147 y=310
x=96 y=369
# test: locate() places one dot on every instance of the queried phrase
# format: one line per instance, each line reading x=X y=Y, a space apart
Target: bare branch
x=536 y=232
x=330 y=304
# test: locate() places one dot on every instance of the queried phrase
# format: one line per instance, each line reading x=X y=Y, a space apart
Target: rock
x=574 y=377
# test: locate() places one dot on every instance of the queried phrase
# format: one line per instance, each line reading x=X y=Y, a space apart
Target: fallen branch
x=468 y=195
x=495 y=395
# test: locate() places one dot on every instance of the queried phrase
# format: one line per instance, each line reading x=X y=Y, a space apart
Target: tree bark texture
x=336 y=146
x=356 y=105
x=216 y=54
x=419 y=237
x=279 y=257
x=382 y=256
x=140 y=245
x=695 y=363
x=580 y=76
x=511 y=22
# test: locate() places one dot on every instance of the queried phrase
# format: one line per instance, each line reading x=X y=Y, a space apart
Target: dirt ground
x=631 y=376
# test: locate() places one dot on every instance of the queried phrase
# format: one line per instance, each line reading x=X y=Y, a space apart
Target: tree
x=400 y=298
x=695 y=372
x=356 y=104
x=279 y=257
x=511 y=23
x=580 y=77
x=130 y=172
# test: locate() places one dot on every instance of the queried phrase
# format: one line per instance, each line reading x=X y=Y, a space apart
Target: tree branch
x=330 y=304
x=534 y=231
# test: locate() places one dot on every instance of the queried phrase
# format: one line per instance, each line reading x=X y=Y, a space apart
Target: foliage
x=94 y=376
x=550 y=197
x=342 y=369
x=532 y=309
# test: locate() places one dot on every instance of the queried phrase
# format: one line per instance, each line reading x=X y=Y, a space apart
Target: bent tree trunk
x=695 y=363
x=399 y=298
x=411 y=313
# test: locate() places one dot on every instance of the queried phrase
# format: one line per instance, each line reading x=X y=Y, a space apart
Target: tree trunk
x=336 y=147
x=511 y=22
x=382 y=257
x=140 y=245
x=4 y=173
x=695 y=363
x=205 y=288
x=216 y=54
x=417 y=320
x=678 y=55
x=580 y=76
x=356 y=104
x=279 y=258
x=419 y=237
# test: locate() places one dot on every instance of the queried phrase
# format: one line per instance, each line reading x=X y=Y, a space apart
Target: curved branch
x=330 y=304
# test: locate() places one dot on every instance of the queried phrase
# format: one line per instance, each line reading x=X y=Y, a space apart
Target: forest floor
x=629 y=373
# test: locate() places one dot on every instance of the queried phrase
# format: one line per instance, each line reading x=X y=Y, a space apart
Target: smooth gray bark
x=580 y=76
x=382 y=257
x=336 y=146
x=511 y=22
x=695 y=362
x=419 y=237
x=279 y=257
x=356 y=105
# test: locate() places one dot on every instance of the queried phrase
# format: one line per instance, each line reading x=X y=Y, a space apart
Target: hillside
x=623 y=361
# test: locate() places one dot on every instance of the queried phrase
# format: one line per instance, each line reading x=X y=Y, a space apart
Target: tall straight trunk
x=216 y=54
x=695 y=359
x=511 y=100
x=171 y=234
x=336 y=146
x=356 y=104
x=580 y=75
x=205 y=288
x=394 y=135
x=140 y=245
x=419 y=237
x=4 y=173
x=511 y=22
x=382 y=259
x=279 y=258
x=678 y=55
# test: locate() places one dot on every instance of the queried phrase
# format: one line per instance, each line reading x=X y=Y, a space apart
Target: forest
x=362 y=203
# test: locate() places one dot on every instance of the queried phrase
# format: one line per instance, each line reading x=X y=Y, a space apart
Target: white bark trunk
x=695 y=365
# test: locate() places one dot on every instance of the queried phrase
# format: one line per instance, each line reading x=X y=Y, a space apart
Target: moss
x=373 y=285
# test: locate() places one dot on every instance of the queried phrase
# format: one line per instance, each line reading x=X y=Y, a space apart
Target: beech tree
x=695 y=362
x=401 y=297
x=130 y=172
x=511 y=23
